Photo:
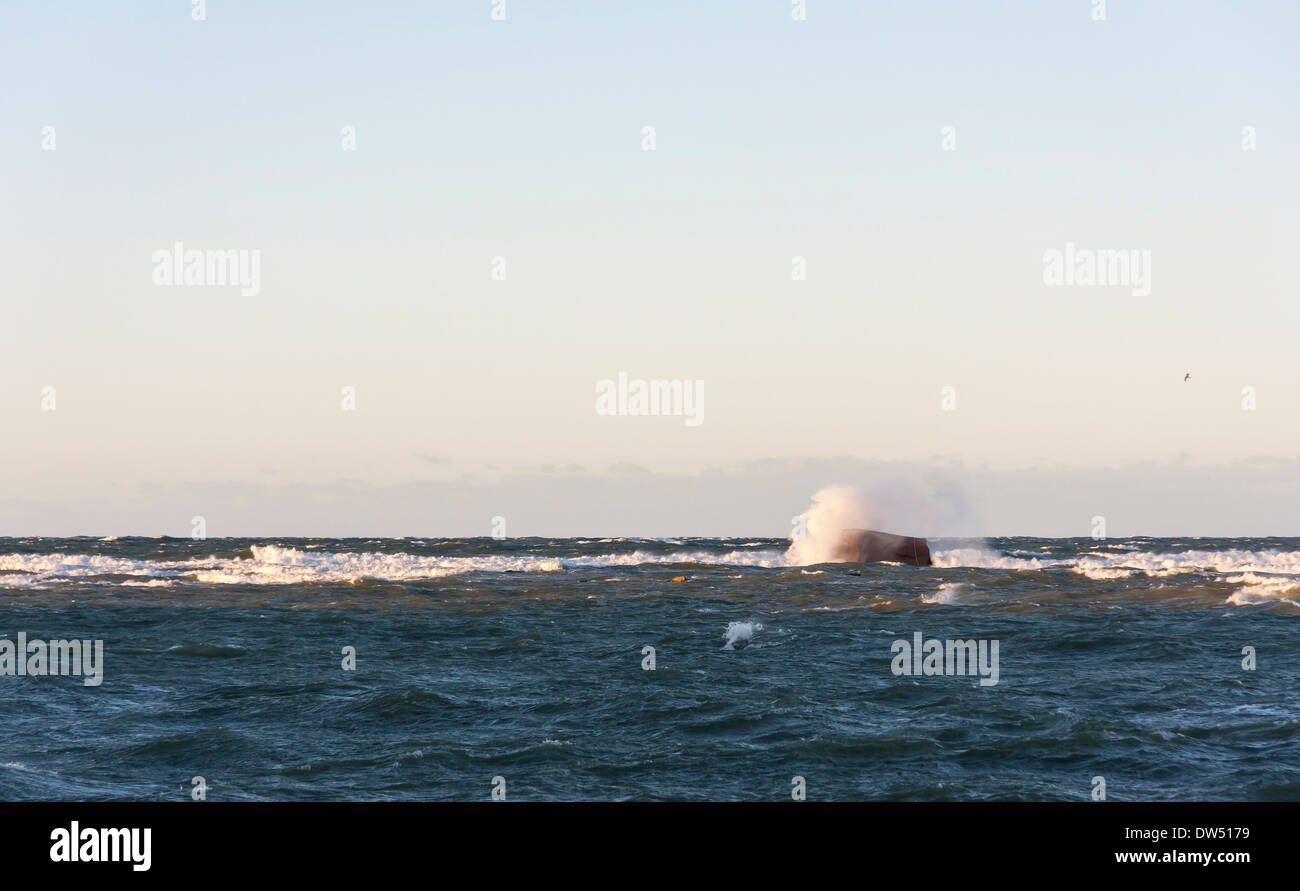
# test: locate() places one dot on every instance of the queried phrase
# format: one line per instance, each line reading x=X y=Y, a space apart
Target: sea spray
x=817 y=530
x=739 y=634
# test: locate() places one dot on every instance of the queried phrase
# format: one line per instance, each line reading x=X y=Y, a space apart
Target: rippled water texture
x=523 y=659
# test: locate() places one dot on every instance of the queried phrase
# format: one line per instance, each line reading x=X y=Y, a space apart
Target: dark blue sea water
x=522 y=659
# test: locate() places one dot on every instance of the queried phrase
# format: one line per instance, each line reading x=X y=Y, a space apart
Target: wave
x=1259 y=575
x=1264 y=589
x=948 y=593
x=983 y=558
x=208 y=651
x=1265 y=576
x=739 y=634
x=276 y=565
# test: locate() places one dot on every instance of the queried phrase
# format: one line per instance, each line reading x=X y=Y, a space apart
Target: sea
x=714 y=669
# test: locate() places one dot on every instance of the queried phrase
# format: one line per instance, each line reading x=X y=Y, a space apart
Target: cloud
x=1249 y=497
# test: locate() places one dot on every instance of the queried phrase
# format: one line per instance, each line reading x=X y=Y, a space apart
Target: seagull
x=1187 y=377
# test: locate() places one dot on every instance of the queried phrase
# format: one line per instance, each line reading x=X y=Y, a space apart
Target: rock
x=869 y=546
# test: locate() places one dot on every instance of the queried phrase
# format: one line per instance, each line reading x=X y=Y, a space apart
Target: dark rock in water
x=869 y=546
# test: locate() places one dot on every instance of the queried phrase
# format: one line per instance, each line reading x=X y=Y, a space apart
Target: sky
x=833 y=229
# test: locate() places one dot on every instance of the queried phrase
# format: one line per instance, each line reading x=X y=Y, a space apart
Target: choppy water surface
x=523 y=659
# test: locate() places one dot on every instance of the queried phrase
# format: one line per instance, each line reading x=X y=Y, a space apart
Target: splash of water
x=739 y=634
x=833 y=509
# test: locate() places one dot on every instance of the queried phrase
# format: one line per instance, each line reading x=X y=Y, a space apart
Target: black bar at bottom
x=638 y=842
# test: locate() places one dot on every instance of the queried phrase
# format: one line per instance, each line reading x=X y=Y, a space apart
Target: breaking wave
x=739 y=634
x=276 y=565
x=1258 y=575
x=948 y=593
x=1265 y=576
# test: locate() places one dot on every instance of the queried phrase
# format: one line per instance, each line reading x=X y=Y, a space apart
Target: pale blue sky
x=522 y=139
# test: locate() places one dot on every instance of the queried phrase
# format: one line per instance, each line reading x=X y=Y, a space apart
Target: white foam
x=983 y=558
x=1264 y=589
x=275 y=565
x=1102 y=565
x=739 y=634
x=1268 y=576
x=948 y=593
x=1106 y=573
x=833 y=509
x=1263 y=575
x=40 y=567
